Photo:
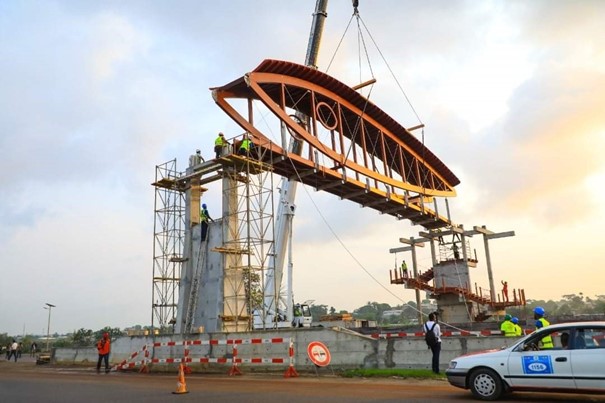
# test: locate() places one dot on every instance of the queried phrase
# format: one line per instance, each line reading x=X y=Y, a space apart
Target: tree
x=114 y=333
x=317 y=311
x=575 y=302
x=372 y=311
x=83 y=337
x=564 y=309
x=254 y=294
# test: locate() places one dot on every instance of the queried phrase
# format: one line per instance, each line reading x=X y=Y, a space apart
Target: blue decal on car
x=537 y=364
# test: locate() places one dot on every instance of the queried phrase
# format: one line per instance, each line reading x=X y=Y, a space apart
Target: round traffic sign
x=318 y=353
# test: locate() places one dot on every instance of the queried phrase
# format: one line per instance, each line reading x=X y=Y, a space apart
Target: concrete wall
x=348 y=349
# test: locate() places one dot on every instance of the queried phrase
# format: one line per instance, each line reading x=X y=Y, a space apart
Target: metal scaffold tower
x=169 y=232
x=248 y=226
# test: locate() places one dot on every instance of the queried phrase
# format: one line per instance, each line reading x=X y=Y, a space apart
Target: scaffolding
x=249 y=236
x=168 y=245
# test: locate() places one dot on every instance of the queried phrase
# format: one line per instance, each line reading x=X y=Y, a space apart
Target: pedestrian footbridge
x=333 y=139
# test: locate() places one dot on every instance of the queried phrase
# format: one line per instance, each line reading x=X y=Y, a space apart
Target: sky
x=94 y=95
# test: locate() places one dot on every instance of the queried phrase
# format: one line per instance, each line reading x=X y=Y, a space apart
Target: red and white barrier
x=464 y=333
x=127 y=365
x=219 y=342
x=235 y=360
x=291 y=371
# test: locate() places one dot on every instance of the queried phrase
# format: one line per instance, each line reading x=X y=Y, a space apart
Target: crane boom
x=287 y=192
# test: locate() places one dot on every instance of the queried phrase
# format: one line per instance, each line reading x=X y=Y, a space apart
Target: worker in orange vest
x=103 y=347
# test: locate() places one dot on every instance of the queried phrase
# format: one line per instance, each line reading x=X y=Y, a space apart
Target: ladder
x=195 y=286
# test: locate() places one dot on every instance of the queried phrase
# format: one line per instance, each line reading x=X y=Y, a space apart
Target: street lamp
x=49 y=307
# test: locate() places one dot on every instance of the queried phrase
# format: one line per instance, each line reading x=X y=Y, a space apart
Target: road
x=29 y=383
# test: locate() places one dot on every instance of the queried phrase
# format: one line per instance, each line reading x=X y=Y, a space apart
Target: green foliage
x=252 y=288
x=5 y=339
x=60 y=343
x=317 y=311
x=82 y=338
x=114 y=333
x=371 y=311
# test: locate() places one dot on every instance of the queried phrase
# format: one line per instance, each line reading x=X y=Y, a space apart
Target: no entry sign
x=318 y=353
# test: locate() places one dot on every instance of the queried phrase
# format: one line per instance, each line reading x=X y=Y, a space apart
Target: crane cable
x=324 y=219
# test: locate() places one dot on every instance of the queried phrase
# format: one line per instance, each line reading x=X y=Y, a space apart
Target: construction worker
x=504 y=290
x=507 y=327
x=244 y=148
x=219 y=145
x=540 y=323
x=518 y=330
x=298 y=316
x=456 y=251
x=204 y=217
x=197 y=158
x=404 y=269
x=103 y=348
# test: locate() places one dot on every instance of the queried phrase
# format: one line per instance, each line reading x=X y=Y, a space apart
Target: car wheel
x=486 y=384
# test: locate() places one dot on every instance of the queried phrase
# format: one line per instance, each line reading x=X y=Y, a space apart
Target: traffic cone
x=181 y=386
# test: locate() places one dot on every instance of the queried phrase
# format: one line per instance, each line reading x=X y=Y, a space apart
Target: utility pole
x=49 y=307
x=487 y=235
x=414 y=242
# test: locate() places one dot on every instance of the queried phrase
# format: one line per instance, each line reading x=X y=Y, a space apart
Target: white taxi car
x=576 y=364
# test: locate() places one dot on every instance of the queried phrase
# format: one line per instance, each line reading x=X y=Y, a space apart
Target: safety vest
x=546 y=341
x=245 y=145
x=103 y=346
x=508 y=328
x=204 y=215
x=404 y=266
x=220 y=141
x=518 y=330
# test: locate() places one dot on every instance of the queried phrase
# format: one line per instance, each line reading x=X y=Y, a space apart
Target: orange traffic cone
x=181 y=386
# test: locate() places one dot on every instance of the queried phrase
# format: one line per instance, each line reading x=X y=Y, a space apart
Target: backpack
x=429 y=335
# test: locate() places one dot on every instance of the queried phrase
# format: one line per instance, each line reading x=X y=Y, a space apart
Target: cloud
x=96 y=94
x=549 y=144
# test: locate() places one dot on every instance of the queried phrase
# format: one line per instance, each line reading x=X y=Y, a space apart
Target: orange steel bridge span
x=347 y=146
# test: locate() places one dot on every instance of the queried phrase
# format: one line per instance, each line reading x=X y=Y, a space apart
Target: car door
x=549 y=368
x=587 y=358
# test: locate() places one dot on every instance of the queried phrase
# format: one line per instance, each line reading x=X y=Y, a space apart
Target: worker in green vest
x=404 y=269
x=245 y=146
x=507 y=327
x=298 y=316
x=518 y=330
x=220 y=144
x=540 y=323
x=204 y=217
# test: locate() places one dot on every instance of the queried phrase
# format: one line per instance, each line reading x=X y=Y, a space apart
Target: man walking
x=103 y=347
x=13 y=350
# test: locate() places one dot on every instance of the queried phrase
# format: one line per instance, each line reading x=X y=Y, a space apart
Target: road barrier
x=478 y=333
x=188 y=357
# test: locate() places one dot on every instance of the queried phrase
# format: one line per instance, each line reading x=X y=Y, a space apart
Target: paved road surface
x=29 y=383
